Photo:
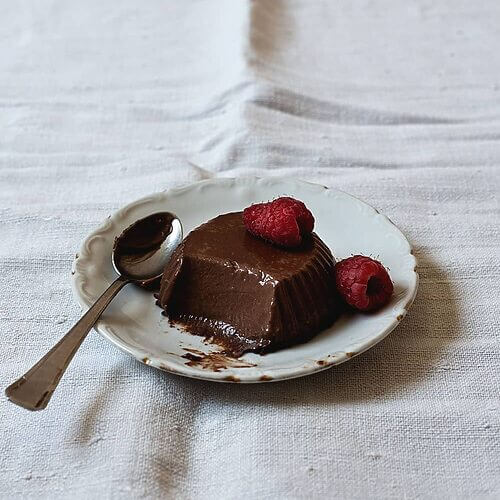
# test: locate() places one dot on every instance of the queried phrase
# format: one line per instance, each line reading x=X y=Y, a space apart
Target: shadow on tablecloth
x=409 y=354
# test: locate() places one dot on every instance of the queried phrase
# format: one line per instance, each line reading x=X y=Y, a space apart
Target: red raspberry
x=283 y=221
x=363 y=283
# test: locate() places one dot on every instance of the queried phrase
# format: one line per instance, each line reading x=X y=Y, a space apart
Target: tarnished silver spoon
x=139 y=256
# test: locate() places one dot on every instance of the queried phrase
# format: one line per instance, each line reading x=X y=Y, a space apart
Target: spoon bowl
x=142 y=251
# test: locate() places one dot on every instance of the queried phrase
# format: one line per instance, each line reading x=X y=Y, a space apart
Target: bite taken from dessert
x=262 y=280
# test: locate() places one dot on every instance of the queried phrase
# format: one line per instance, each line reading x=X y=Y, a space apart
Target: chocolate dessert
x=246 y=294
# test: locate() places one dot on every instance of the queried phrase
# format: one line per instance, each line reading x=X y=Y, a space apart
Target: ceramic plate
x=347 y=225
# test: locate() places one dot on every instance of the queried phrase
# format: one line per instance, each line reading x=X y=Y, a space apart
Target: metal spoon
x=139 y=256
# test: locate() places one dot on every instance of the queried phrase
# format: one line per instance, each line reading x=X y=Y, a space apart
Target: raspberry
x=283 y=221
x=363 y=283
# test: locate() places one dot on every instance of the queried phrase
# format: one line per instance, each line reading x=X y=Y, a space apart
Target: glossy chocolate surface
x=246 y=294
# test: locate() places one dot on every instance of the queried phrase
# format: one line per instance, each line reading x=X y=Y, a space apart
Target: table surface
x=395 y=102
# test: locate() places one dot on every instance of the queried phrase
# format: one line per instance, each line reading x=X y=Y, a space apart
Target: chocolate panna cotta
x=246 y=294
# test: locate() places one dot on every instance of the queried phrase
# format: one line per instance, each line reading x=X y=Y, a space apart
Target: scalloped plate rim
x=311 y=366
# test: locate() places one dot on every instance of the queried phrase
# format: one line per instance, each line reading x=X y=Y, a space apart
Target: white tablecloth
x=395 y=102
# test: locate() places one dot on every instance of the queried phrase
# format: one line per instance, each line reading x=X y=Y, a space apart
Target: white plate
x=347 y=225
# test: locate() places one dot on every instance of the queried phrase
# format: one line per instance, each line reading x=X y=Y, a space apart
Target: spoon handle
x=35 y=388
